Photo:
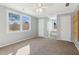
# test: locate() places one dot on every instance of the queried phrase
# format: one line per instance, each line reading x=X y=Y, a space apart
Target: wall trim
x=18 y=41
x=76 y=45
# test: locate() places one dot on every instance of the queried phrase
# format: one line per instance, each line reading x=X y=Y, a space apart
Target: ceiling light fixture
x=39 y=8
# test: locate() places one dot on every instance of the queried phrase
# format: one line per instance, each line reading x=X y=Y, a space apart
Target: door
x=41 y=27
x=65 y=27
x=75 y=26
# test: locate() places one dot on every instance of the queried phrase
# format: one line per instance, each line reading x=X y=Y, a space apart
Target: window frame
x=29 y=23
x=20 y=14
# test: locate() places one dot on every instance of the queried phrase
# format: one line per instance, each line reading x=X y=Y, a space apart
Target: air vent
x=67 y=4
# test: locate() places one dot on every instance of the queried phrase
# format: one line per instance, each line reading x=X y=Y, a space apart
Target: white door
x=65 y=28
x=41 y=27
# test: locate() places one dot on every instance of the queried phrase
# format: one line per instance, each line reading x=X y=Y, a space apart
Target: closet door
x=41 y=27
x=65 y=27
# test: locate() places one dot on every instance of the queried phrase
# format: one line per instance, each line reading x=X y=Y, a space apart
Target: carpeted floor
x=40 y=46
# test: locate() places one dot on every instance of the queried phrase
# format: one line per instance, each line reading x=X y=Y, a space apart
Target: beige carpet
x=40 y=46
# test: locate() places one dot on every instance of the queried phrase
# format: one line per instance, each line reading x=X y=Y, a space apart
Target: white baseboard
x=77 y=45
x=17 y=41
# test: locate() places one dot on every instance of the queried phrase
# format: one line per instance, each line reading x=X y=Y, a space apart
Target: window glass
x=14 y=22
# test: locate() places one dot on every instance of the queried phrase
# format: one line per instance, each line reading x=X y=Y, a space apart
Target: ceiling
x=49 y=9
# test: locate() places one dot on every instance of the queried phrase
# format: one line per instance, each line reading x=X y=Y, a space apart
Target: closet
x=65 y=27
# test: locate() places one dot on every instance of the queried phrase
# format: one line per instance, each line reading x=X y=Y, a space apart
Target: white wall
x=10 y=38
x=77 y=8
x=63 y=22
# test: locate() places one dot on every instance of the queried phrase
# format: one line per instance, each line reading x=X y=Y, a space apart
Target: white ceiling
x=49 y=8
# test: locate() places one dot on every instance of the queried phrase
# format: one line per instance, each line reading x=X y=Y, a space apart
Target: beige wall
x=9 y=38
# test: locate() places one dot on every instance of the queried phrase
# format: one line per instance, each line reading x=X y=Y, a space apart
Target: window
x=25 y=23
x=18 y=22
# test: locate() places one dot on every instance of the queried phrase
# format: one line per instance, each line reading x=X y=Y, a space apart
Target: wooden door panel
x=75 y=25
